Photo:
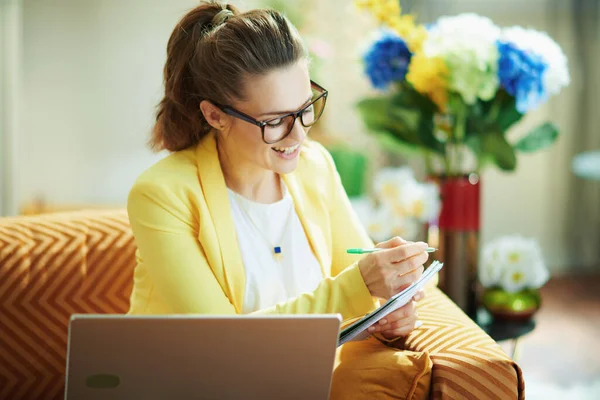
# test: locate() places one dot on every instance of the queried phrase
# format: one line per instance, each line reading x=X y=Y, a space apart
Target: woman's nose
x=298 y=131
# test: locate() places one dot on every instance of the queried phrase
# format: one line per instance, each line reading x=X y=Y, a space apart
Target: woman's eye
x=308 y=110
x=275 y=123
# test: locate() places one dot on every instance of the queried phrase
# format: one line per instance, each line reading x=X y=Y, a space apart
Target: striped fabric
x=467 y=363
x=54 y=265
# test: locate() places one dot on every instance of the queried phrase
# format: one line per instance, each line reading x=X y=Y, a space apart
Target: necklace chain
x=276 y=250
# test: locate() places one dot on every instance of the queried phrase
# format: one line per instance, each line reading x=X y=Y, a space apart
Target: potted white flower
x=512 y=270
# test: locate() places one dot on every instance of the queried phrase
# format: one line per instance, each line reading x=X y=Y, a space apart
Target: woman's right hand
x=391 y=270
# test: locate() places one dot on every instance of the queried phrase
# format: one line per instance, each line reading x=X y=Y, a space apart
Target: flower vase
x=458 y=239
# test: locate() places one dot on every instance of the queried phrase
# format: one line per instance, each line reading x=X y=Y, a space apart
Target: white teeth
x=287 y=150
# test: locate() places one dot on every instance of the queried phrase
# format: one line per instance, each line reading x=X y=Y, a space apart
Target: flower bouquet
x=449 y=92
x=400 y=205
x=512 y=271
x=452 y=89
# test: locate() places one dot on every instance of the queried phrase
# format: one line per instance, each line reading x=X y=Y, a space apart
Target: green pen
x=367 y=251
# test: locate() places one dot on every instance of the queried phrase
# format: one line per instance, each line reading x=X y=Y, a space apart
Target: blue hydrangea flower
x=521 y=73
x=387 y=60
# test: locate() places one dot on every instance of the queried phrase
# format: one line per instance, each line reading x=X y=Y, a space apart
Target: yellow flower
x=429 y=76
x=383 y=10
x=389 y=12
x=403 y=25
x=416 y=38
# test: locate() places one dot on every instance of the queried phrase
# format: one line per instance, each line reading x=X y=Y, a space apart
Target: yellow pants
x=371 y=370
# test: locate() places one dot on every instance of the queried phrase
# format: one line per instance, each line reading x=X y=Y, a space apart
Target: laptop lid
x=200 y=357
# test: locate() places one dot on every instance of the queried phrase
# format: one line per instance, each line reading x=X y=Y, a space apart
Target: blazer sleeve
x=166 y=236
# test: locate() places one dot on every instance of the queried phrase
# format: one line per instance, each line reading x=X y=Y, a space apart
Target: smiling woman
x=247 y=215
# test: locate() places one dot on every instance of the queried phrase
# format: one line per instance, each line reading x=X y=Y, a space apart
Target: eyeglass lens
x=277 y=129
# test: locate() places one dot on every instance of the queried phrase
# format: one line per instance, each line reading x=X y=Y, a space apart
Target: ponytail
x=179 y=121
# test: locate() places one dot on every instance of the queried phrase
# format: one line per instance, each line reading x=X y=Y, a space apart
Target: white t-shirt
x=260 y=228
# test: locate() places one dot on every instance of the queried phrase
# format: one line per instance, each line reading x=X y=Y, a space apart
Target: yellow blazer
x=188 y=258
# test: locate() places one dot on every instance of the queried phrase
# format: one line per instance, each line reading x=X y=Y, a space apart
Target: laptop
x=200 y=357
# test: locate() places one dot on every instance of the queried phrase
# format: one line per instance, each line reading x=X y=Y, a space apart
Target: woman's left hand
x=400 y=322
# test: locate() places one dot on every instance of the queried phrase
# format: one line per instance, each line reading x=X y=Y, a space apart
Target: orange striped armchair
x=55 y=265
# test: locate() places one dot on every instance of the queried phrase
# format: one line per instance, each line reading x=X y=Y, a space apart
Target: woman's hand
x=400 y=322
x=393 y=269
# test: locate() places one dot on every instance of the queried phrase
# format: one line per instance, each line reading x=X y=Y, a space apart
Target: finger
x=390 y=244
x=402 y=331
x=412 y=263
x=406 y=251
x=402 y=316
x=403 y=312
x=405 y=280
x=409 y=320
x=420 y=295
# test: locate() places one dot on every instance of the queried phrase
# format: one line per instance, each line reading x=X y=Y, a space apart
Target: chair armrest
x=467 y=362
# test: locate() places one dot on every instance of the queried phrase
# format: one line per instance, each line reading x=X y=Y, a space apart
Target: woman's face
x=277 y=93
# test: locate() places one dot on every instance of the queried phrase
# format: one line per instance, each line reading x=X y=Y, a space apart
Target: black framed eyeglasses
x=276 y=129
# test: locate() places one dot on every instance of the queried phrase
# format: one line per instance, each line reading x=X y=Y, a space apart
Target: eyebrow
x=287 y=111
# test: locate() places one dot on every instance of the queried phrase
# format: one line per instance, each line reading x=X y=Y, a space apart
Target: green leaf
x=496 y=115
x=507 y=114
x=494 y=144
x=389 y=142
x=539 y=138
x=406 y=116
x=378 y=117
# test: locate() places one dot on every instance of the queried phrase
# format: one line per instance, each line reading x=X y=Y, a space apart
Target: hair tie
x=221 y=17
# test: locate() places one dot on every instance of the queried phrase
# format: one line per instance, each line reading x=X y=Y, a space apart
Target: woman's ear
x=214 y=115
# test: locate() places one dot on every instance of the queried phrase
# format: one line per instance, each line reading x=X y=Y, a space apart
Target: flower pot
x=458 y=239
x=506 y=306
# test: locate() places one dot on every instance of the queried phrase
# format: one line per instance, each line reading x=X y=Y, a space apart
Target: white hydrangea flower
x=467 y=42
x=389 y=183
x=514 y=263
x=421 y=200
x=381 y=224
x=557 y=75
x=406 y=228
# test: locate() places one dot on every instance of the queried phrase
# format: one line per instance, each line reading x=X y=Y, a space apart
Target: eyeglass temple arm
x=241 y=115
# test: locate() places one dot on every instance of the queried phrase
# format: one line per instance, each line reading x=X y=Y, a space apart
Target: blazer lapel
x=224 y=257
x=307 y=209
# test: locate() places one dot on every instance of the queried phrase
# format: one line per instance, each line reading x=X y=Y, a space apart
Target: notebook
x=358 y=330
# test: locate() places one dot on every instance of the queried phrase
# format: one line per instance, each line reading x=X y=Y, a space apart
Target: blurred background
x=80 y=80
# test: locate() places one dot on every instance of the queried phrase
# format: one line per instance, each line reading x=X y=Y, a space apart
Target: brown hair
x=210 y=52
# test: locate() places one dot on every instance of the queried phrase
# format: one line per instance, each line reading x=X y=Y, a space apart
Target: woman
x=247 y=215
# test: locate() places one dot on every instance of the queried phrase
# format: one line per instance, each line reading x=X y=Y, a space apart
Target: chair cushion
x=52 y=266
x=467 y=362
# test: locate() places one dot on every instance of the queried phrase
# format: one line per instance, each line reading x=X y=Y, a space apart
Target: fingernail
x=371 y=329
x=418 y=324
x=382 y=321
x=423 y=244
